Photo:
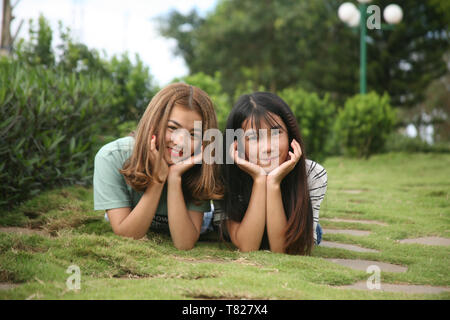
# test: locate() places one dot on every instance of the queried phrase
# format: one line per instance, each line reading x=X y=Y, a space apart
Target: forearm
x=251 y=229
x=182 y=229
x=137 y=223
x=275 y=218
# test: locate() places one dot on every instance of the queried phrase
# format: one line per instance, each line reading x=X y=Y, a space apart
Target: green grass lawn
x=409 y=192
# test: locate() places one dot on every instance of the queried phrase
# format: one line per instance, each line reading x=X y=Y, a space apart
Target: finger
x=231 y=151
x=296 y=149
x=237 y=159
x=299 y=148
x=292 y=156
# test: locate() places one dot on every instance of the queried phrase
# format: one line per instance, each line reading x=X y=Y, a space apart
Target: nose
x=265 y=144
x=179 y=137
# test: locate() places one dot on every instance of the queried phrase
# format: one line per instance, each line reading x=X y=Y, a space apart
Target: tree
x=284 y=43
x=6 y=39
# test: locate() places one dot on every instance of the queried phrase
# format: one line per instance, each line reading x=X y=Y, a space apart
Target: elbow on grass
x=245 y=249
x=183 y=246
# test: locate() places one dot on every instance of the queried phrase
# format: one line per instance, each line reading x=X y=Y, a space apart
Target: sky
x=116 y=26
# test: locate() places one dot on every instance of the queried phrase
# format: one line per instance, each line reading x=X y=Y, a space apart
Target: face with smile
x=269 y=148
x=181 y=137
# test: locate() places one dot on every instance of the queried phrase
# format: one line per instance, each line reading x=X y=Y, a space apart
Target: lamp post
x=353 y=17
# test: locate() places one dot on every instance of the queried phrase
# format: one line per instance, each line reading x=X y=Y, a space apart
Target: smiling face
x=270 y=148
x=181 y=137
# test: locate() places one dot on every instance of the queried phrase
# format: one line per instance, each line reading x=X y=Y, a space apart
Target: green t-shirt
x=111 y=191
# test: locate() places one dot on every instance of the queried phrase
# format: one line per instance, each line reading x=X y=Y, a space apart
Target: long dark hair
x=294 y=187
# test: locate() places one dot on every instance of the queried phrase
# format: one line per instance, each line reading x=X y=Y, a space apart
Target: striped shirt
x=317 y=186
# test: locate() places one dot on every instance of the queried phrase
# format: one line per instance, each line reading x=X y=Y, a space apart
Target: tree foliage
x=284 y=43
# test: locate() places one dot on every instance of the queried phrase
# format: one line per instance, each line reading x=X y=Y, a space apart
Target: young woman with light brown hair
x=154 y=178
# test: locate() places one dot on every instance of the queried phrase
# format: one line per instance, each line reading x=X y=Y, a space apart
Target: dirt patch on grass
x=221 y=296
x=6 y=276
x=26 y=231
x=359 y=201
x=8 y=286
x=202 y=260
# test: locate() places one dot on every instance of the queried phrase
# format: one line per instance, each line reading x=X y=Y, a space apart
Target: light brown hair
x=201 y=182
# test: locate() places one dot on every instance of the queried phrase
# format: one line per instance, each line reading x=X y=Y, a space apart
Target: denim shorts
x=319 y=234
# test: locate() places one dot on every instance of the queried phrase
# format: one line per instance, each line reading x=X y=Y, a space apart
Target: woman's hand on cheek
x=176 y=170
x=277 y=175
x=162 y=169
x=252 y=169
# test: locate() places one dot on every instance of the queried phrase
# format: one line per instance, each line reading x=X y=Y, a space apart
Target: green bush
x=133 y=82
x=315 y=117
x=363 y=125
x=50 y=128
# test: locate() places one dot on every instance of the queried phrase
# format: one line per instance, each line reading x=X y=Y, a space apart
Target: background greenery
x=59 y=106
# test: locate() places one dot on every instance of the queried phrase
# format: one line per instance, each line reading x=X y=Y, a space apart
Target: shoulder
x=314 y=169
x=316 y=175
x=124 y=145
x=116 y=151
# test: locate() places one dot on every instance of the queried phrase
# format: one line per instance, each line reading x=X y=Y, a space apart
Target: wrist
x=260 y=179
x=155 y=185
x=273 y=181
x=173 y=177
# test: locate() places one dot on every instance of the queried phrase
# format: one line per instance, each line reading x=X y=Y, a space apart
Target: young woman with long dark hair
x=272 y=192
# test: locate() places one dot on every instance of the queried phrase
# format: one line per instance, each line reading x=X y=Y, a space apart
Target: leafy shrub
x=133 y=82
x=50 y=124
x=364 y=124
x=315 y=117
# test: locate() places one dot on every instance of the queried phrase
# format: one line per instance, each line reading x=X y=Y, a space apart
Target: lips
x=268 y=161
x=175 y=152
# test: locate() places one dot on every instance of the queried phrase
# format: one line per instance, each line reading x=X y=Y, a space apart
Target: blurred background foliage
x=59 y=106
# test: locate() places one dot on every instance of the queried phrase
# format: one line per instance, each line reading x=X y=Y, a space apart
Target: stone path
x=432 y=241
x=355 y=221
x=363 y=265
x=347 y=231
x=345 y=246
x=405 y=288
x=352 y=191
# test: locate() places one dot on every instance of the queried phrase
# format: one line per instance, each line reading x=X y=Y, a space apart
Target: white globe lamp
x=347 y=12
x=393 y=14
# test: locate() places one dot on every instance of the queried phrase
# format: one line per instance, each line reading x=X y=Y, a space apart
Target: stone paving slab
x=347 y=231
x=346 y=246
x=355 y=221
x=357 y=264
x=405 y=288
x=352 y=191
x=432 y=241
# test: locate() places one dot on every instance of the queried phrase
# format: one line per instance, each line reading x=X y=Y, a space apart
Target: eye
x=172 y=128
